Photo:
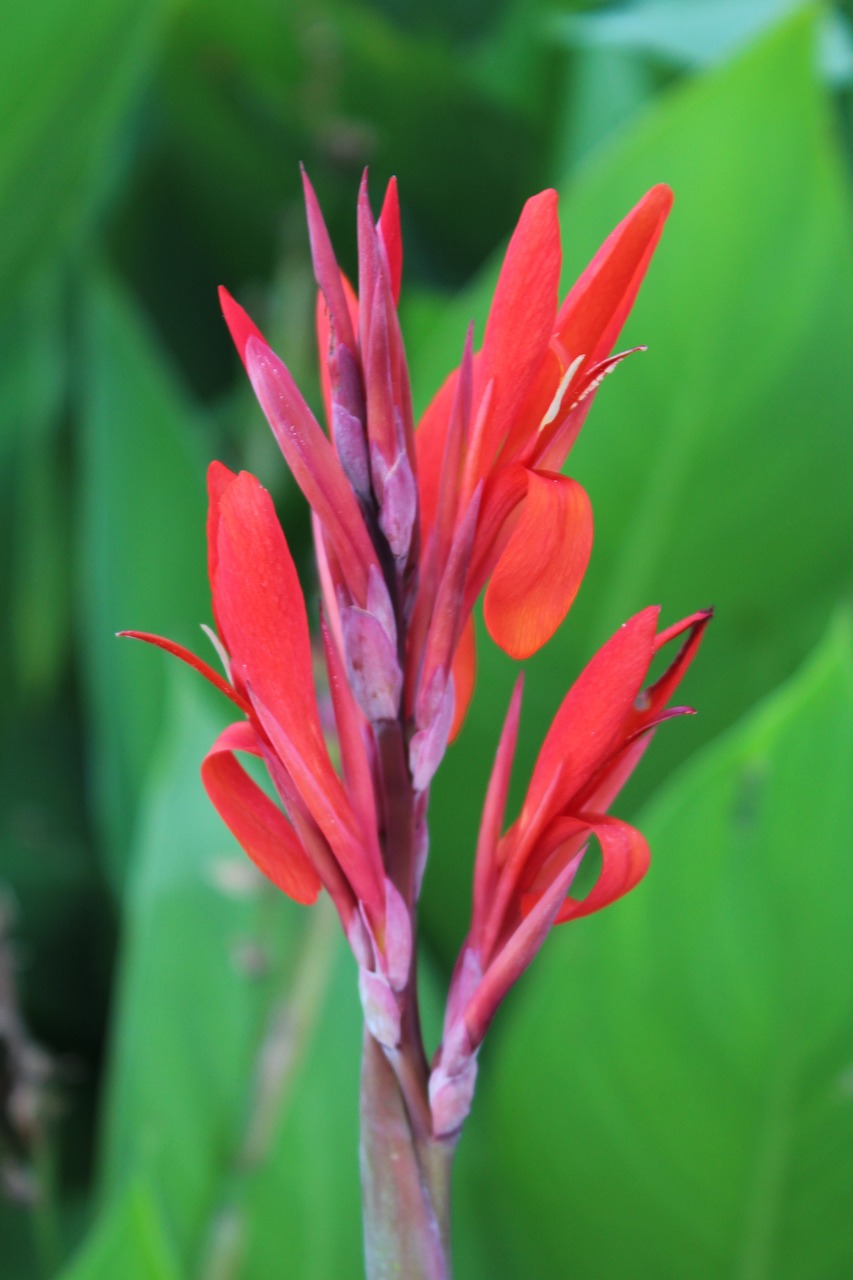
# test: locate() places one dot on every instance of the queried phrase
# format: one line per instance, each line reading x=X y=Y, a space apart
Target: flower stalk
x=411 y=525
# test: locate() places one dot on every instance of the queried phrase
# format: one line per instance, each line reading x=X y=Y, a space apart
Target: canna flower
x=522 y=878
x=503 y=423
x=409 y=526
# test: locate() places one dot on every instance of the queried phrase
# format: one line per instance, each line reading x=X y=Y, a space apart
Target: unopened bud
x=429 y=744
x=381 y=1009
x=397 y=494
x=373 y=671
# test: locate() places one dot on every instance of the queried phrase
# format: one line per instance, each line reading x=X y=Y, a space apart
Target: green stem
x=405 y=1179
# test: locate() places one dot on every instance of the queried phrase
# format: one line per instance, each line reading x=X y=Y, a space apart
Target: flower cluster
x=410 y=527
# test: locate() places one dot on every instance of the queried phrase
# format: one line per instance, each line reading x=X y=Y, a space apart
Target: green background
x=669 y=1091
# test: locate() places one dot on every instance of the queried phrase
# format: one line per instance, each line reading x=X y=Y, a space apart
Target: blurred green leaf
x=719 y=463
x=234 y=1084
x=678 y=1069
x=34 y=375
x=68 y=73
x=142 y=544
x=130 y=1242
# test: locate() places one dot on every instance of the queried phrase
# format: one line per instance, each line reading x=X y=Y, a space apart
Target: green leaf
x=33 y=374
x=68 y=73
x=129 y=1242
x=142 y=546
x=719 y=463
x=677 y=1070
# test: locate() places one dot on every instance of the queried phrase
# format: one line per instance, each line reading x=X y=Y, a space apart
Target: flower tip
x=240 y=325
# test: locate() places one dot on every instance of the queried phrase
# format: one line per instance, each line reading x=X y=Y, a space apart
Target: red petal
x=219 y=477
x=585 y=730
x=260 y=602
x=485 y=863
x=324 y=340
x=597 y=305
x=311 y=457
x=542 y=566
x=521 y=318
x=503 y=491
x=326 y=268
x=350 y=723
x=625 y=860
x=241 y=326
x=252 y=818
x=516 y=954
x=391 y=237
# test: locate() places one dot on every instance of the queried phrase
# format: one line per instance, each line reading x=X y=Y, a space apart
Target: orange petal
x=542 y=566
x=598 y=303
x=252 y=818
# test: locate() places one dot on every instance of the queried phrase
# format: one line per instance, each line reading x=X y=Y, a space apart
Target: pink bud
x=397 y=494
x=373 y=671
x=398 y=937
x=348 y=432
x=428 y=745
x=452 y=1081
x=381 y=1010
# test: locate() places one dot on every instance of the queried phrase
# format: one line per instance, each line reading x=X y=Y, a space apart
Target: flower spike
x=411 y=526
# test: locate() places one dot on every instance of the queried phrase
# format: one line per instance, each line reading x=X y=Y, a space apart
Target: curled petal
x=256 y=823
x=542 y=566
x=625 y=860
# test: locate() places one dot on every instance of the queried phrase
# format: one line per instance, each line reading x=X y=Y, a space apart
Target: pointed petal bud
x=326 y=268
x=398 y=938
x=428 y=745
x=451 y=1095
x=314 y=464
x=381 y=1008
x=391 y=237
x=397 y=494
x=370 y=646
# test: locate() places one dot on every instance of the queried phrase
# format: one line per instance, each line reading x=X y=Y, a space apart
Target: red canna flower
x=409 y=527
x=521 y=878
x=504 y=422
